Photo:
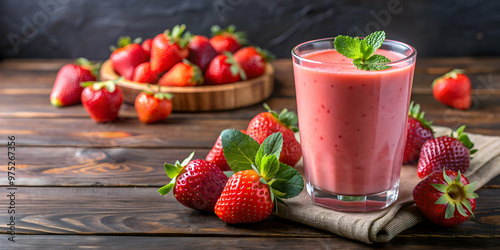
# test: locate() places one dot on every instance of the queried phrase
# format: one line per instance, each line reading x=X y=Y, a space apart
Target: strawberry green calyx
x=452 y=74
x=175 y=36
x=240 y=36
x=235 y=68
x=158 y=94
x=288 y=118
x=124 y=41
x=197 y=76
x=455 y=195
x=414 y=111
x=244 y=153
x=109 y=85
x=88 y=65
x=173 y=170
x=464 y=139
x=266 y=54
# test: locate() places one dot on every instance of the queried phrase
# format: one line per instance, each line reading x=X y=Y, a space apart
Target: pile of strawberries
x=178 y=58
x=258 y=162
x=445 y=195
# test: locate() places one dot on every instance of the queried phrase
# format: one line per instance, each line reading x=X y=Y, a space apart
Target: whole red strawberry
x=146 y=44
x=226 y=39
x=127 y=56
x=260 y=179
x=197 y=184
x=67 y=89
x=182 y=74
x=453 y=89
x=244 y=199
x=102 y=100
x=267 y=123
x=144 y=74
x=216 y=155
x=418 y=131
x=153 y=107
x=201 y=51
x=252 y=60
x=446 y=151
x=224 y=69
x=446 y=198
x=168 y=48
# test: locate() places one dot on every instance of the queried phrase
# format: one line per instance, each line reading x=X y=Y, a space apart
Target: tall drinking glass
x=352 y=124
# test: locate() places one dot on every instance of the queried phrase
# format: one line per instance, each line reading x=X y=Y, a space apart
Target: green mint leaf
x=272 y=145
x=172 y=171
x=366 y=49
x=270 y=164
x=239 y=149
x=375 y=40
x=375 y=62
x=288 y=181
x=348 y=46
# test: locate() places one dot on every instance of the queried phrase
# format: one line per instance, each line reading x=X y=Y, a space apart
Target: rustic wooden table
x=82 y=184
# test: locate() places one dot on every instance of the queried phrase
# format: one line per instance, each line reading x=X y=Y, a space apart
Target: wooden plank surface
x=141 y=210
x=78 y=178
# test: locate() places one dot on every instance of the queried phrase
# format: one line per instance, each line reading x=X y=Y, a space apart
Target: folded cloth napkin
x=383 y=225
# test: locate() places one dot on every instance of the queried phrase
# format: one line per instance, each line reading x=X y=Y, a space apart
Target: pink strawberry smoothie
x=352 y=122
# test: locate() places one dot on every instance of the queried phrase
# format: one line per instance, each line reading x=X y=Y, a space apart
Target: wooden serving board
x=202 y=98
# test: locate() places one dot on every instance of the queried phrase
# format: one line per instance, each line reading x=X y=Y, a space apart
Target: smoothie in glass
x=352 y=124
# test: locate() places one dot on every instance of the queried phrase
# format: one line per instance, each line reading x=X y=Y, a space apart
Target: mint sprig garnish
x=362 y=51
x=242 y=152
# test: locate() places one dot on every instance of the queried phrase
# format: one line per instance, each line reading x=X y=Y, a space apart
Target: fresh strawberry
x=244 y=199
x=418 y=131
x=446 y=198
x=226 y=39
x=446 y=151
x=153 y=107
x=260 y=179
x=216 y=155
x=453 y=89
x=197 y=184
x=67 y=89
x=224 y=69
x=201 y=51
x=144 y=74
x=127 y=56
x=182 y=74
x=252 y=60
x=146 y=44
x=168 y=48
x=267 y=123
x=102 y=100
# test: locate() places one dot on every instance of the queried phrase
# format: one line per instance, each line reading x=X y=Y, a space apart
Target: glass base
x=353 y=203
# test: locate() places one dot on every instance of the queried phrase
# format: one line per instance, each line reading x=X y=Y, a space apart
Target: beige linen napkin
x=383 y=225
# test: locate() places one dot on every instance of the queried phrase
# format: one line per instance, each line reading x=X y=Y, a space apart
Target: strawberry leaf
x=228 y=173
x=467 y=204
x=469 y=188
x=450 y=210
x=442 y=200
x=239 y=149
x=188 y=159
x=166 y=189
x=440 y=187
x=446 y=177
x=461 y=210
x=172 y=170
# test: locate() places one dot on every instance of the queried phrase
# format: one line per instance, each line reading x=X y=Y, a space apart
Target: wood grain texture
x=141 y=210
x=87 y=166
x=29 y=242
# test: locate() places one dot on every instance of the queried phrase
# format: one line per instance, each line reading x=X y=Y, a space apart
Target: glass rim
x=412 y=55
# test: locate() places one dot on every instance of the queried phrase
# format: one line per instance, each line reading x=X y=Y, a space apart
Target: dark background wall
x=74 y=28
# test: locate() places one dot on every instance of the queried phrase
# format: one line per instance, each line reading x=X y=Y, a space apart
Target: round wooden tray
x=202 y=98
